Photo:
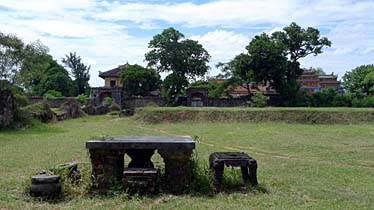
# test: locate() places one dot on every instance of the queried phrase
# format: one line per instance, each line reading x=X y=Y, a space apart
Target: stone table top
x=143 y=142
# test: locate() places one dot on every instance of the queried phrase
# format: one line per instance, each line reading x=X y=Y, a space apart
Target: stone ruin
x=7 y=108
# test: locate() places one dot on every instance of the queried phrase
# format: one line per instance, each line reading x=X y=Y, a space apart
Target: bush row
x=331 y=98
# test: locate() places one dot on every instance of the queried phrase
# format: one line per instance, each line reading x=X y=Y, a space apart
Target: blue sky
x=109 y=33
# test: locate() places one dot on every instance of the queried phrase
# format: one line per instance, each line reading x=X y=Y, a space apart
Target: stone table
x=107 y=158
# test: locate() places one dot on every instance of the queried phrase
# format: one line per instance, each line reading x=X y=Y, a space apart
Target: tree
x=275 y=59
x=34 y=65
x=215 y=90
x=139 y=81
x=56 y=77
x=237 y=72
x=11 y=55
x=360 y=81
x=184 y=59
x=79 y=71
x=319 y=71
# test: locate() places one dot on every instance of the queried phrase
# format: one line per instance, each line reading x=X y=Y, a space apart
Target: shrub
x=259 y=100
x=343 y=100
x=108 y=100
x=21 y=100
x=52 y=94
x=363 y=102
x=82 y=98
x=39 y=111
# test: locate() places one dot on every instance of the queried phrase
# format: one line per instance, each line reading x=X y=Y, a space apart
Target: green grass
x=301 y=166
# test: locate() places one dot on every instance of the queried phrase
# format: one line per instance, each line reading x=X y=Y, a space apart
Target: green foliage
x=38 y=108
x=52 y=94
x=237 y=72
x=342 y=100
x=21 y=100
x=184 y=59
x=79 y=71
x=36 y=62
x=259 y=100
x=215 y=90
x=323 y=99
x=173 y=86
x=200 y=176
x=82 y=98
x=40 y=73
x=11 y=55
x=139 y=81
x=274 y=59
x=318 y=71
x=363 y=102
x=108 y=100
x=57 y=78
x=360 y=81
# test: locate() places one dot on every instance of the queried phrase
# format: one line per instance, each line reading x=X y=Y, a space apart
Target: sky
x=110 y=33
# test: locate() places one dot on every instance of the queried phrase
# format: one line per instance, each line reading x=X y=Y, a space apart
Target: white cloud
x=47 y=6
x=107 y=34
x=224 y=12
x=222 y=45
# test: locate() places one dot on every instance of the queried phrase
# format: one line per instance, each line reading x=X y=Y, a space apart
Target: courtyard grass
x=301 y=166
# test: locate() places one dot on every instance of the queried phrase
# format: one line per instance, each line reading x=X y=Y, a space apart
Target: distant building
x=242 y=90
x=112 y=86
x=312 y=82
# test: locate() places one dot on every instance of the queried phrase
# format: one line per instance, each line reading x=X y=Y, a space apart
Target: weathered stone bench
x=248 y=166
x=107 y=157
x=140 y=180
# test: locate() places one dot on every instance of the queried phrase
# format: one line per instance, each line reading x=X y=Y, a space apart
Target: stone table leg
x=252 y=168
x=176 y=169
x=245 y=174
x=218 y=174
x=107 y=168
x=140 y=158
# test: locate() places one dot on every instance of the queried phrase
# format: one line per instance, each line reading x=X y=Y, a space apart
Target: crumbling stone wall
x=7 y=108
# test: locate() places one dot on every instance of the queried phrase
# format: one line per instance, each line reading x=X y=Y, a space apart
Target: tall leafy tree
x=360 y=81
x=183 y=59
x=33 y=68
x=79 y=71
x=57 y=78
x=275 y=59
x=11 y=56
x=139 y=81
x=237 y=72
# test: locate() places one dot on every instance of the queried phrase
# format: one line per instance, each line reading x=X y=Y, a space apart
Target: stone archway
x=104 y=94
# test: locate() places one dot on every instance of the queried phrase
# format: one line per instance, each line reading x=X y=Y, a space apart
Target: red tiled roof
x=113 y=72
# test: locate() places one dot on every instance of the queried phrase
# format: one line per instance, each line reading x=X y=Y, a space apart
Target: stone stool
x=140 y=180
x=247 y=164
x=45 y=185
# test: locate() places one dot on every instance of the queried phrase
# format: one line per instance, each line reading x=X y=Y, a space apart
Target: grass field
x=301 y=166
